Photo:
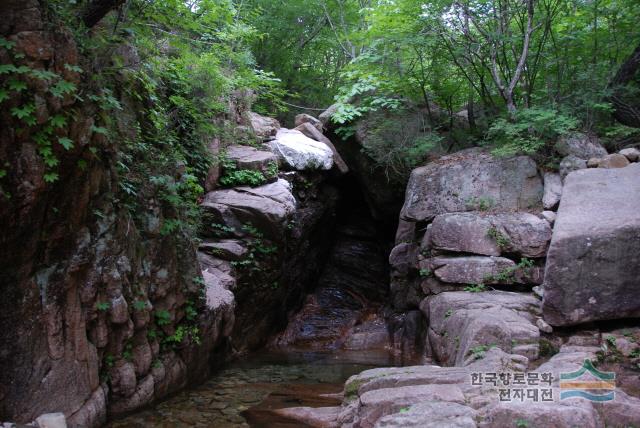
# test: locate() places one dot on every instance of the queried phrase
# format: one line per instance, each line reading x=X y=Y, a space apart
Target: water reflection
x=245 y=393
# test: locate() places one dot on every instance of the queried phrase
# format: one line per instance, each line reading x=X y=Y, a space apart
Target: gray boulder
x=464 y=326
x=264 y=127
x=266 y=207
x=406 y=232
x=226 y=249
x=306 y=118
x=318 y=417
x=571 y=163
x=471 y=180
x=381 y=402
x=463 y=232
x=432 y=415
x=246 y=157
x=593 y=263
x=552 y=190
x=403 y=258
x=549 y=216
x=582 y=146
x=300 y=152
x=631 y=153
x=371 y=396
x=557 y=415
x=491 y=234
x=471 y=269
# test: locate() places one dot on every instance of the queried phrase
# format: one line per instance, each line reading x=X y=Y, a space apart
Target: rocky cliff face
x=108 y=302
x=475 y=252
x=96 y=304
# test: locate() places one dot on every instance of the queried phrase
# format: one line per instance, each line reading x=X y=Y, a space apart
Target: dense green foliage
x=429 y=77
x=449 y=56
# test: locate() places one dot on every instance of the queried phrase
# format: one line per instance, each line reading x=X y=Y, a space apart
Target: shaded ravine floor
x=244 y=393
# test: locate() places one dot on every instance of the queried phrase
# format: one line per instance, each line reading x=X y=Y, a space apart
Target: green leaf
x=7 y=68
x=50 y=177
x=58 y=121
x=43 y=74
x=4 y=43
x=3 y=173
x=61 y=88
x=23 y=69
x=66 y=143
x=22 y=112
x=99 y=130
x=74 y=68
x=51 y=161
x=4 y=95
x=16 y=85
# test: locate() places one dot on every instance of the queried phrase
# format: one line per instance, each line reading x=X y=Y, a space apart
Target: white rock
x=301 y=152
x=51 y=420
x=550 y=216
x=543 y=326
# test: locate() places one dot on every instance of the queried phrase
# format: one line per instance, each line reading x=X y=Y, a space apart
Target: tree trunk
x=97 y=9
x=625 y=112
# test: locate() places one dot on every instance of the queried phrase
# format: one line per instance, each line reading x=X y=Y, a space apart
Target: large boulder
x=247 y=157
x=264 y=127
x=491 y=234
x=582 y=146
x=431 y=415
x=569 y=164
x=557 y=415
x=631 y=153
x=372 y=395
x=463 y=326
x=297 y=151
x=471 y=180
x=468 y=269
x=480 y=270
x=312 y=132
x=266 y=207
x=432 y=396
x=307 y=118
x=593 y=263
x=615 y=160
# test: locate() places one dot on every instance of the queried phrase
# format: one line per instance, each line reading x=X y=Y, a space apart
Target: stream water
x=245 y=393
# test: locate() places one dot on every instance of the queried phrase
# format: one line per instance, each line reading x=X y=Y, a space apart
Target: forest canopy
x=434 y=75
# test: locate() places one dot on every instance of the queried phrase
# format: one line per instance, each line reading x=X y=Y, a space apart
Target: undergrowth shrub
x=529 y=131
